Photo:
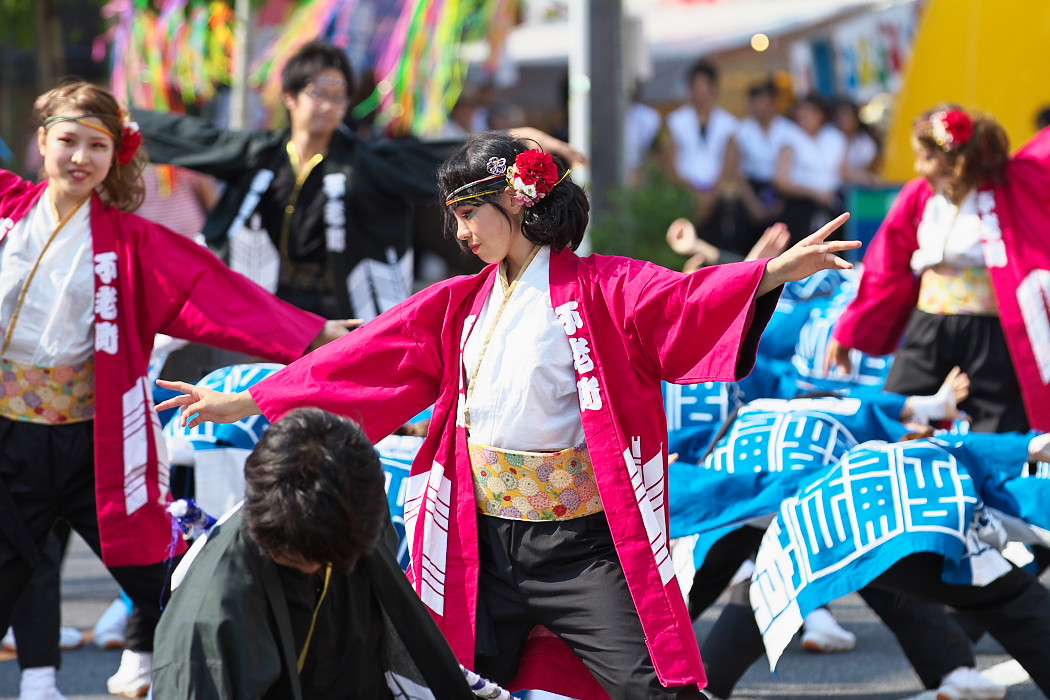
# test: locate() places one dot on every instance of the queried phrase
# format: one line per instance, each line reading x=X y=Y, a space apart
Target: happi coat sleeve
x=1015 y=220
x=383 y=373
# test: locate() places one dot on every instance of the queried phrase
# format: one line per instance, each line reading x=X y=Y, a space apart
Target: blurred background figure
x=763 y=133
x=861 y=162
x=809 y=171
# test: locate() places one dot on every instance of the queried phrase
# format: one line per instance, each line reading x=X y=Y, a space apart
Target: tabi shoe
x=39 y=684
x=822 y=634
x=132 y=679
x=966 y=683
x=109 y=630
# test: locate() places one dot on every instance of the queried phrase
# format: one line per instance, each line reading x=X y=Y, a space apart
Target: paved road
x=875 y=670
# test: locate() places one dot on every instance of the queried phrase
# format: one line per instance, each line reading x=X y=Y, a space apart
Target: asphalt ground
x=875 y=670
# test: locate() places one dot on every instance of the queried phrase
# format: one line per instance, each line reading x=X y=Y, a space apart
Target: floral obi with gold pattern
x=946 y=290
x=534 y=485
x=48 y=395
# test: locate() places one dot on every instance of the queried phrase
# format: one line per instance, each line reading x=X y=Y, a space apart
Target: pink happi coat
x=1015 y=235
x=149 y=280
x=641 y=323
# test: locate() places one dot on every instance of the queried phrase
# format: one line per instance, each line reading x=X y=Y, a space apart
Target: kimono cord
x=313 y=621
x=492 y=329
x=9 y=333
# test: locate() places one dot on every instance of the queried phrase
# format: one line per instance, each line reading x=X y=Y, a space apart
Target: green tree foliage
x=18 y=23
x=636 y=224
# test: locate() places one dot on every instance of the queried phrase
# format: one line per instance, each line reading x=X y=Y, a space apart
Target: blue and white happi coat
x=793 y=348
x=770 y=449
x=884 y=501
x=695 y=414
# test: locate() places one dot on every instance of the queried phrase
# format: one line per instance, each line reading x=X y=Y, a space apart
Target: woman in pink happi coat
x=961 y=269
x=84 y=288
x=538 y=498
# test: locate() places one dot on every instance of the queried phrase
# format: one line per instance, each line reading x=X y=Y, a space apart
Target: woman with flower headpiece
x=961 y=269
x=84 y=288
x=538 y=497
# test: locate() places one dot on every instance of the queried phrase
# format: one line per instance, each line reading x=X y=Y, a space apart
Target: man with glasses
x=314 y=213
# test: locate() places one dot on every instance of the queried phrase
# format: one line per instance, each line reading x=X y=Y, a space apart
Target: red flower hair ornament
x=532 y=176
x=951 y=129
x=130 y=139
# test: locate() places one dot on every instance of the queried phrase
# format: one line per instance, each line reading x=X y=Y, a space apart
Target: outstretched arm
x=201 y=404
x=810 y=255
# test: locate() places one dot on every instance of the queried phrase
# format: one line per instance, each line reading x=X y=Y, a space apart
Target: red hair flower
x=130 y=139
x=532 y=176
x=951 y=129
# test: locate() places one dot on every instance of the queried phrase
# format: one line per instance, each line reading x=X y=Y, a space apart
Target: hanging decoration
x=415 y=53
x=167 y=54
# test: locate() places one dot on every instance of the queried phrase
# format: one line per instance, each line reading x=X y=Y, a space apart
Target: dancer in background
x=959 y=269
x=85 y=288
x=314 y=213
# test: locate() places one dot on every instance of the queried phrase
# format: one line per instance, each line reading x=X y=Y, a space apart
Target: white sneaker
x=821 y=633
x=39 y=684
x=966 y=683
x=132 y=679
x=109 y=630
x=69 y=638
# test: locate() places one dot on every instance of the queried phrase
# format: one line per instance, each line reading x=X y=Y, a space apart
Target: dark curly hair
x=123 y=187
x=557 y=220
x=312 y=58
x=315 y=490
x=981 y=159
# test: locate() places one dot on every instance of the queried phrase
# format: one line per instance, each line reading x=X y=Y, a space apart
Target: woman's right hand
x=200 y=404
x=838 y=356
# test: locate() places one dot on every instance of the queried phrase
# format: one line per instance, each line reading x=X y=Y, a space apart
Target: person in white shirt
x=862 y=148
x=641 y=127
x=704 y=157
x=809 y=168
x=759 y=139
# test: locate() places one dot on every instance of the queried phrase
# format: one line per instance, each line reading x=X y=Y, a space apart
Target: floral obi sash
x=47 y=395
x=946 y=290
x=534 y=485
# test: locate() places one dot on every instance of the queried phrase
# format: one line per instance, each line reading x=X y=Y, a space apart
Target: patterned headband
x=532 y=176
x=130 y=136
x=81 y=119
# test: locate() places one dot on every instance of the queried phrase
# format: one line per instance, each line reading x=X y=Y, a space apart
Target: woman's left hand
x=550 y=144
x=333 y=330
x=810 y=255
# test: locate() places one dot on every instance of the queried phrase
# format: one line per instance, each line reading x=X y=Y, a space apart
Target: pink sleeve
x=13 y=190
x=703 y=326
x=874 y=321
x=380 y=375
x=198 y=298
x=1030 y=167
